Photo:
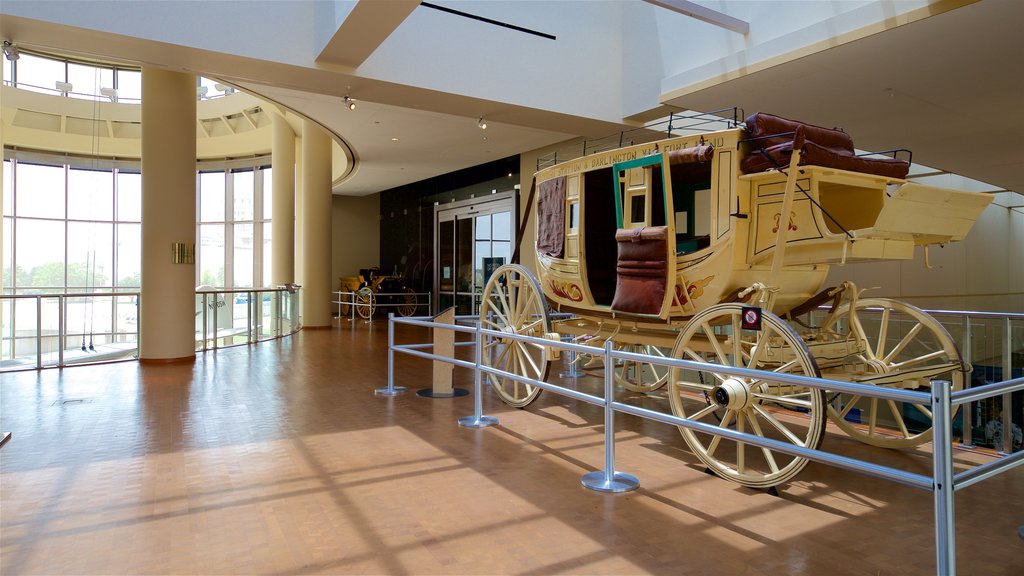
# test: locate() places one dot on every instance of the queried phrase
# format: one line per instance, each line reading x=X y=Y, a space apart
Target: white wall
x=983 y=272
x=275 y=30
x=454 y=54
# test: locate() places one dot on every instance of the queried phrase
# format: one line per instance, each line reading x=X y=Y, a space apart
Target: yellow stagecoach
x=716 y=247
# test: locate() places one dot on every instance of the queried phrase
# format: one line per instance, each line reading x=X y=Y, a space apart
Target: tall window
x=234 y=228
x=71 y=226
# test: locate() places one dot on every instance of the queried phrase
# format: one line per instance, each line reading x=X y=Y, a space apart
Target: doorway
x=471 y=238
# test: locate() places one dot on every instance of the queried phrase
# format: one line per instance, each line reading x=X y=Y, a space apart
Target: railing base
x=392 y=391
x=598 y=481
x=474 y=422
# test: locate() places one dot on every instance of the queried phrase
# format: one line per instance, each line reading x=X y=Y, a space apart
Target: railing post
x=216 y=313
x=478 y=420
x=248 y=321
x=1007 y=398
x=942 y=480
x=391 y=389
x=39 y=332
x=206 y=306
x=967 y=434
x=61 y=329
x=609 y=480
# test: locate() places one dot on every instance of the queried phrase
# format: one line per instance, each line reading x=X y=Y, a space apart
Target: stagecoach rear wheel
x=408 y=302
x=641 y=376
x=904 y=347
x=513 y=303
x=366 y=303
x=787 y=413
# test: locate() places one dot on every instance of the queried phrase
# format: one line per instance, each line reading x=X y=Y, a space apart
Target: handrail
x=942 y=483
x=122 y=344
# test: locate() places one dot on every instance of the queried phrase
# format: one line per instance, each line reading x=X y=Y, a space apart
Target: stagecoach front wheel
x=513 y=303
x=898 y=346
x=760 y=406
x=641 y=376
x=365 y=303
x=408 y=302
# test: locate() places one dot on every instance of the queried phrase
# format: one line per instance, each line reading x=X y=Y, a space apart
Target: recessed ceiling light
x=394 y=139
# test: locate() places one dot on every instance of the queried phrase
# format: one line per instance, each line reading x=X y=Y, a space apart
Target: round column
x=316 y=226
x=168 y=303
x=283 y=217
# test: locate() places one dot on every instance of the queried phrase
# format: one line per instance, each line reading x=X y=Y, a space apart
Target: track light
x=11 y=51
x=481 y=123
x=350 y=102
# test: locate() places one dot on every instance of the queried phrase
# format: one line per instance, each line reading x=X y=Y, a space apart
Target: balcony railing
x=57 y=330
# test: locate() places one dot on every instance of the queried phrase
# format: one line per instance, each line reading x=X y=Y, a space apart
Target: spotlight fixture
x=11 y=51
x=110 y=93
x=481 y=123
x=350 y=102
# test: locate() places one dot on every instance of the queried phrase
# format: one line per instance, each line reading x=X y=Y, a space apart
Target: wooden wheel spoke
x=525 y=354
x=801 y=400
x=938 y=354
x=715 y=441
x=713 y=339
x=907 y=339
x=782 y=428
x=898 y=416
x=768 y=455
x=849 y=405
x=741 y=447
x=696 y=416
x=923 y=409
x=759 y=345
x=883 y=332
x=873 y=416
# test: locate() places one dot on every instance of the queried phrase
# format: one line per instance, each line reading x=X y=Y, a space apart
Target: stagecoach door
x=471 y=237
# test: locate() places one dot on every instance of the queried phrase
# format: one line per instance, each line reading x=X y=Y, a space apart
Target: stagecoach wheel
x=408 y=302
x=791 y=414
x=513 y=303
x=366 y=303
x=908 y=349
x=641 y=376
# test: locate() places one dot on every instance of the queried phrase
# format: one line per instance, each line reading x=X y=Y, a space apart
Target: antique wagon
x=716 y=247
x=371 y=289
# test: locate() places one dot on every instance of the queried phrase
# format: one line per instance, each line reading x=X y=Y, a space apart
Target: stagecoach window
x=574 y=215
x=637 y=212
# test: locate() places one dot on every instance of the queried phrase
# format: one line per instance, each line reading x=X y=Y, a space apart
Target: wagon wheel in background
x=513 y=303
x=640 y=376
x=901 y=347
x=407 y=302
x=366 y=303
x=791 y=414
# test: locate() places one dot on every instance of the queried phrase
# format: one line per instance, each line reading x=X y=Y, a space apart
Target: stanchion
x=478 y=420
x=609 y=480
x=942 y=474
x=391 y=389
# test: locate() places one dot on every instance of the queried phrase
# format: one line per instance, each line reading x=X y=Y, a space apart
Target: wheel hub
x=732 y=394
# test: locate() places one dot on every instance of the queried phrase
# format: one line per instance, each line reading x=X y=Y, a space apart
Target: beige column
x=316 y=226
x=167 y=309
x=283 y=217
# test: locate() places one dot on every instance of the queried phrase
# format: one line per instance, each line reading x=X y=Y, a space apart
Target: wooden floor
x=279 y=459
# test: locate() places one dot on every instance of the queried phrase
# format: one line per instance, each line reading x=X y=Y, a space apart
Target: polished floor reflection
x=279 y=459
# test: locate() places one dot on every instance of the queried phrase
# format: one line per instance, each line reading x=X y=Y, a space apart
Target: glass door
x=471 y=240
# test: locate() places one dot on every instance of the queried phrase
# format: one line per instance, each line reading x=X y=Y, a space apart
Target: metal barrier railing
x=269 y=313
x=390 y=300
x=51 y=340
x=942 y=483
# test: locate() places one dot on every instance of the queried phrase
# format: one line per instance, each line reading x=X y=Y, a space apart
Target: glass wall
x=73 y=226
x=37 y=72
